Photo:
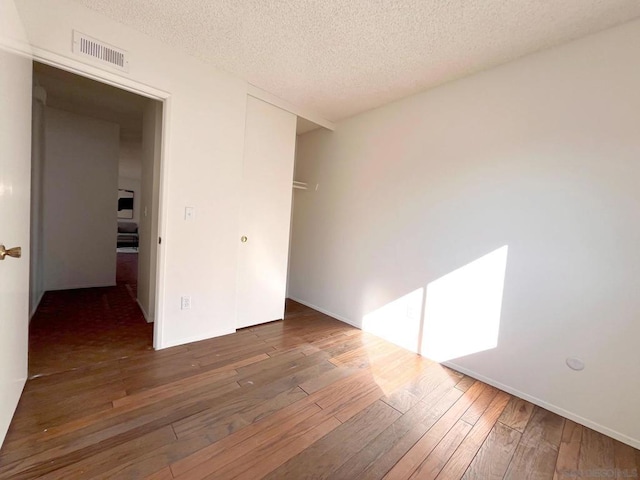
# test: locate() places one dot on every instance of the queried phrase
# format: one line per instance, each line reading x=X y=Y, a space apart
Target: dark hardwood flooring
x=307 y=397
x=85 y=327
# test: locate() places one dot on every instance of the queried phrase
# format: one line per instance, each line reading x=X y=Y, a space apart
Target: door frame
x=115 y=80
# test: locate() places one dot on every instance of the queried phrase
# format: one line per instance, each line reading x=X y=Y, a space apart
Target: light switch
x=189 y=213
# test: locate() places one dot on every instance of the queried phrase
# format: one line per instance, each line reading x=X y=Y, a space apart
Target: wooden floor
x=88 y=326
x=309 y=397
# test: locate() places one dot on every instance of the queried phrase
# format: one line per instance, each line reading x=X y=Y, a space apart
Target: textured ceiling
x=341 y=57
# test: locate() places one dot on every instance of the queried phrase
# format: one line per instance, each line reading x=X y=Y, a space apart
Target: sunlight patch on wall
x=399 y=321
x=462 y=310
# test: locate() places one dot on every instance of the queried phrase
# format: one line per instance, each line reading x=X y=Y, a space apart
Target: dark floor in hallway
x=80 y=328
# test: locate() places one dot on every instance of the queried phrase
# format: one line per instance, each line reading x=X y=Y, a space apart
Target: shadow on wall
x=458 y=316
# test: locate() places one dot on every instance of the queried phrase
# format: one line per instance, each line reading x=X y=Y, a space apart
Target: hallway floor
x=79 y=328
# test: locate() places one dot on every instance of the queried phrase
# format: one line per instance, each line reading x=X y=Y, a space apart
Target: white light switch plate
x=185 y=302
x=189 y=213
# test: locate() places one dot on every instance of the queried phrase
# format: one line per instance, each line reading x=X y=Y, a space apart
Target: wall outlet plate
x=575 y=364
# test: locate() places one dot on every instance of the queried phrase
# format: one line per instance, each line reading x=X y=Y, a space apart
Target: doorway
x=95 y=201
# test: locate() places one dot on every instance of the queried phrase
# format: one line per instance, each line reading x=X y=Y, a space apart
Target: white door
x=270 y=137
x=15 y=170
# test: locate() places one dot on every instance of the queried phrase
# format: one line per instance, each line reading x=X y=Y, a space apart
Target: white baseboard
x=80 y=286
x=635 y=443
x=35 y=308
x=327 y=312
x=144 y=312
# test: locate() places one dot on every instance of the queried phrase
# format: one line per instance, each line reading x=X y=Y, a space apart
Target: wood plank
x=415 y=456
x=269 y=423
x=475 y=411
x=469 y=447
x=288 y=449
x=284 y=445
x=465 y=383
x=626 y=465
x=402 y=400
x=569 y=452
x=159 y=374
x=147 y=464
x=434 y=462
x=327 y=378
x=273 y=372
x=99 y=428
x=493 y=458
x=342 y=392
x=596 y=454
x=82 y=378
x=382 y=452
x=329 y=453
x=242 y=402
x=432 y=375
x=364 y=389
x=264 y=409
x=102 y=460
x=517 y=414
x=164 y=474
x=167 y=390
x=243 y=444
x=56 y=410
x=216 y=358
x=537 y=452
x=357 y=405
x=115 y=430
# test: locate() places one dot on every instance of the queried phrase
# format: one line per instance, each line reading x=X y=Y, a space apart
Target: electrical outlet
x=185 y=302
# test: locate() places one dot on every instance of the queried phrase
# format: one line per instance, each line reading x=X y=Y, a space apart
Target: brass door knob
x=15 y=252
x=243 y=239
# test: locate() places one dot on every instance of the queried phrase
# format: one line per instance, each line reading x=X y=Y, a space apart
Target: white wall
x=36 y=265
x=130 y=159
x=202 y=159
x=79 y=198
x=542 y=155
x=148 y=201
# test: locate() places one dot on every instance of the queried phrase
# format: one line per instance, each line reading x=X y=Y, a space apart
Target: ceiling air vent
x=102 y=52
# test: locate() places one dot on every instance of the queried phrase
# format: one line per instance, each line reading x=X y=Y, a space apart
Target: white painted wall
x=148 y=201
x=202 y=161
x=542 y=155
x=130 y=160
x=36 y=265
x=79 y=197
